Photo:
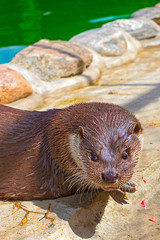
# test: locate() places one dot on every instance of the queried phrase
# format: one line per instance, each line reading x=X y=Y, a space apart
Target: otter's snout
x=109 y=177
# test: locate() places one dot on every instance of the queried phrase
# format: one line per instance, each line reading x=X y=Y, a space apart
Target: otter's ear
x=138 y=129
x=81 y=131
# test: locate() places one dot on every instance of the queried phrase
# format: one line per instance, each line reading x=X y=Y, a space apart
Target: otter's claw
x=128 y=187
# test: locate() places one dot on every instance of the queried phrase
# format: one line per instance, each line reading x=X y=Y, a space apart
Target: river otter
x=58 y=152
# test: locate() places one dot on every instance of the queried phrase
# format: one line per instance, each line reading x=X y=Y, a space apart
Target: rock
x=13 y=86
x=152 y=13
x=90 y=76
x=114 y=46
x=52 y=59
x=152 y=42
x=139 y=28
x=106 y=41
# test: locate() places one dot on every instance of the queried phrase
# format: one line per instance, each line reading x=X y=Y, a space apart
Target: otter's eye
x=124 y=155
x=94 y=157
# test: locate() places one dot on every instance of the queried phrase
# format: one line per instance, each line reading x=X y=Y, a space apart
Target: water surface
x=23 y=22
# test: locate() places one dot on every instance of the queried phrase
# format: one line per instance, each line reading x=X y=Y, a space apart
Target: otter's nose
x=109 y=177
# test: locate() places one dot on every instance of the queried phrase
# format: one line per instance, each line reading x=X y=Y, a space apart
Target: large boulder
x=152 y=13
x=114 y=46
x=13 y=85
x=106 y=41
x=52 y=59
x=139 y=28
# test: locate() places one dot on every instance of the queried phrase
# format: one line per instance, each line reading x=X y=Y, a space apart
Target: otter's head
x=106 y=146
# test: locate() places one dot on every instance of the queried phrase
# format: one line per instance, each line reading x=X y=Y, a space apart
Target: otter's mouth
x=109 y=188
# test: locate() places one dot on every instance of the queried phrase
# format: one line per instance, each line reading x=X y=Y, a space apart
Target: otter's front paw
x=128 y=187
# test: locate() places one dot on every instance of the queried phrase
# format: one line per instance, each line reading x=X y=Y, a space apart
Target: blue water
x=7 y=53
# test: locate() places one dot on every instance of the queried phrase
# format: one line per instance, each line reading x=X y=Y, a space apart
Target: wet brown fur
x=36 y=161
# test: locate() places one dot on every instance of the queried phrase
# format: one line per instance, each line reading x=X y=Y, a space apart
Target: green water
x=24 y=22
